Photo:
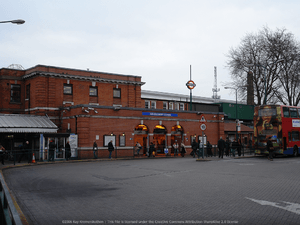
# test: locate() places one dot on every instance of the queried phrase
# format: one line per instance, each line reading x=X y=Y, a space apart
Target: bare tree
x=273 y=82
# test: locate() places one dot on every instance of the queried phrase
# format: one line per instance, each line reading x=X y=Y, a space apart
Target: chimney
x=250 y=91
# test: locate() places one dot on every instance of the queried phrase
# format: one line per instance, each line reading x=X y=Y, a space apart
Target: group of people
x=229 y=147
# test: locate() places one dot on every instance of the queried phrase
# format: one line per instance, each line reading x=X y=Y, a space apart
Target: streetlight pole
x=18 y=22
x=265 y=76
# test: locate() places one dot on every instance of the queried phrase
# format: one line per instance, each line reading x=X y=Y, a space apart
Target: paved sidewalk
x=10 y=164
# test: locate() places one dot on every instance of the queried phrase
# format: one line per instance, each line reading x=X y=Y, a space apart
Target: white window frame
x=147 y=104
x=176 y=106
x=171 y=105
x=153 y=105
x=181 y=106
x=165 y=105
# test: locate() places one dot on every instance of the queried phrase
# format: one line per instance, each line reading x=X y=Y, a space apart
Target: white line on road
x=292 y=207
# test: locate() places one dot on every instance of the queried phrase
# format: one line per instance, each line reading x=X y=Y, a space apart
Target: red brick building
x=97 y=106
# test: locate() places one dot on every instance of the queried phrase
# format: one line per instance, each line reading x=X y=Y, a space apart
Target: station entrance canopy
x=20 y=123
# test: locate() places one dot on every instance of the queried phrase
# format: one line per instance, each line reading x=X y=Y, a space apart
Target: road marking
x=292 y=207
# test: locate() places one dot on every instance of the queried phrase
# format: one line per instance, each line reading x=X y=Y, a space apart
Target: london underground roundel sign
x=190 y=84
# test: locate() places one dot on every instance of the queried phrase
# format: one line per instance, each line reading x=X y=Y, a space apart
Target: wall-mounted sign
x=159 y=114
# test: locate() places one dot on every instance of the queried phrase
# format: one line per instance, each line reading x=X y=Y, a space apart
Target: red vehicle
x=282 y=124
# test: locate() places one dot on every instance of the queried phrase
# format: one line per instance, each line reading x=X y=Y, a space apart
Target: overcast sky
x=155 y=39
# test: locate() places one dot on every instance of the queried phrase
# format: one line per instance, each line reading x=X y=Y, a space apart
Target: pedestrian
x=209 y=149
x=221 y=146
x=151 y=150
x=227 y=147
x=183 y=151
x=234 y=146
x=175 y=146
x=194 y=148
x=52 y=148
x=239 y=147
x=110 y=148
x=2 y=150
x=138 y=148
x=68 y=150
x=95 y=150
x=270 y=149
x=201 y=148
x=22 y=153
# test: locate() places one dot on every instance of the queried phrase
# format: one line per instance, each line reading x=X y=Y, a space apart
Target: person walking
x=209 y=149
x=270 y=149
x=138 y=148
x=183 y=151
x=194 y=148
x=52 y=148
x=68 y=150
x=175 y=146
x=95 y=150
x=234 y=146
x=110 y=148
x=2 y=150
x=221 y=146
x=227 y=147
x=151 y=149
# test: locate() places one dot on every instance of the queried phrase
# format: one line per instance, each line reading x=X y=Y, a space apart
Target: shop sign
x=159 y=114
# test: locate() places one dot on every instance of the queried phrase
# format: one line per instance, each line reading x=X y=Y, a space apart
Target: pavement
x=11 y=164
x=161 y=190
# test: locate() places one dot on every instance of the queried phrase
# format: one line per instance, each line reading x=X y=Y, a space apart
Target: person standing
x=221 y=146
x=209 y=148
x=151 y=149
x=270 y=149
x=23 y=152
x=239 y=147
x=194 y=148
x=183 y=151
x=175 y=146
x=110 y=148
x=52 y=148
x=68 y=150
x=227 y=147
x=95 y=150
x=2 y=150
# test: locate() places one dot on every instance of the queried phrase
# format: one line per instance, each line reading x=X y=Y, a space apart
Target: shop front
x=16 y=129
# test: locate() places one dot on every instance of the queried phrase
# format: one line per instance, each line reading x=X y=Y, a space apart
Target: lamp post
x=18 y=22
x=236 y=111
x=265 y=78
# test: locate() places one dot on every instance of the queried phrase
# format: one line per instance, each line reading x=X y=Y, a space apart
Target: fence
x=8 y=212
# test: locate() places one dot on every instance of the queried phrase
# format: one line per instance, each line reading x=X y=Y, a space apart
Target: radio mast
x=216 y=89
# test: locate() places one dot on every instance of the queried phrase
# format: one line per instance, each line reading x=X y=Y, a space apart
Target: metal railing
x=8 y=212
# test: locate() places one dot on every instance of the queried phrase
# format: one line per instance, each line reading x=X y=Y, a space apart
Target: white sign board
x=295 y=123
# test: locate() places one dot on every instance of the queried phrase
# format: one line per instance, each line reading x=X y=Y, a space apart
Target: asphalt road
x=159 y=191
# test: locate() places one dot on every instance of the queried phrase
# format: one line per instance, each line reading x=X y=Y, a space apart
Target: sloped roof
x=229 y=127
x=19 y=123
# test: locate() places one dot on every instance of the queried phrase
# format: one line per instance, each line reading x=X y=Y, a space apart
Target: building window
x=165 y=105
x=93 y=91
x=176 y=106
x=171 y=105
x=153 y=105
x=147 y=104
x=28 y=91
x=181 y=106
x=68 y=89
x=117 y=93
x=15 y=93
